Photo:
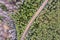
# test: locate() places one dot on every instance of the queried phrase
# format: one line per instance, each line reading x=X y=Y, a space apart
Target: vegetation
x=47 y=24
